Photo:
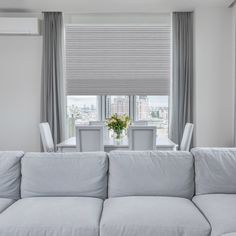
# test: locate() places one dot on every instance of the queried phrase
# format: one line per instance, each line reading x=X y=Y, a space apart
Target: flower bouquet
x=118 y=123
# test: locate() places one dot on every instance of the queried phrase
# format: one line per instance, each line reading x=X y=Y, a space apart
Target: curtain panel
x=181 y=99
x=52 y=91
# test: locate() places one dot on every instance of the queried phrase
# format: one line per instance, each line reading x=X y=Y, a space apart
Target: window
x=81 y=109
x=153 y=109
x=127 y=59
x=117 y=104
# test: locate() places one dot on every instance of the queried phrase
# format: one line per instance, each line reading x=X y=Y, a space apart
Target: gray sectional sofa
x=124 y=193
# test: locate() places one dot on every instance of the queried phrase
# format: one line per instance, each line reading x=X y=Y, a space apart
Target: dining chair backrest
x=142 y=137
x=89 y=138
x=140 y=122
x=187 y=137
x=105 y=129
x=46 y=137
x=79 y=122
x=97 y=122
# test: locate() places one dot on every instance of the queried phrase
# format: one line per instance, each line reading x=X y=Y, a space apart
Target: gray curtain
x=52 y=91
x=181 y=97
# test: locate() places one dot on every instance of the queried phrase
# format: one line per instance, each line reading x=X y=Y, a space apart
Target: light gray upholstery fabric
x=10 y=174
x=52 y=217
x=220 y=210
x=215 y=170
x=152 y=216
x=5 y=203
x=230 y=234
x=64 y=174
x=150 y=174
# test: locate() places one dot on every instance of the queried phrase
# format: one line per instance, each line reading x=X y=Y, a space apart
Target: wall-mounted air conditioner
x=19 y=25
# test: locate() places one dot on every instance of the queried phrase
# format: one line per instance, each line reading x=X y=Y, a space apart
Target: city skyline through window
x=82 y=109
x=118 y=105
x=153 y=109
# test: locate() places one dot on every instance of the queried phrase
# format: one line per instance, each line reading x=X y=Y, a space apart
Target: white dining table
x=163 y=143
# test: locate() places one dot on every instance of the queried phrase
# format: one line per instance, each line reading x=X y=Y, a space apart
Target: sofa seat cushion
x=52 y=216
x=5 y=203
x=152 y=216
x=220 y=210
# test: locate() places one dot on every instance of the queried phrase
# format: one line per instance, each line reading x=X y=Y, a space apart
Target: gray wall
x=20 y=76
x=214 y=82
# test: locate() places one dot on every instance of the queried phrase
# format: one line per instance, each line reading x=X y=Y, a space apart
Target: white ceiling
x=103 y=6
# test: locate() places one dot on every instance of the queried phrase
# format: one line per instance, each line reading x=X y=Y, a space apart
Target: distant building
x=120 y=105
x=142 y=106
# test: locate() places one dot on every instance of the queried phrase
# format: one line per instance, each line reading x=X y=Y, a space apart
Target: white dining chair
x=89 y=138
x=105 y=129
x=46 y=137
x=142 y=137
x=97 y=122
x=187 y=137
x=140 y=122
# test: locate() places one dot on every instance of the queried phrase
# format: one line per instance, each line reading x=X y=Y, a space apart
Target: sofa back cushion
x=64 y=174
x=151 y=173
x=10 y=174
x=215 y=170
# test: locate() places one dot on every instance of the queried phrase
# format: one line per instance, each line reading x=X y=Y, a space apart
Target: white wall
x=20 y=76
x=214 y=83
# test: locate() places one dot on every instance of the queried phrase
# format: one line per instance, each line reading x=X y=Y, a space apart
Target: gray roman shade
x=115 y=59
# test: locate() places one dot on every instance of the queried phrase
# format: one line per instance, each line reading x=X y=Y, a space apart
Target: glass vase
x=117 y=136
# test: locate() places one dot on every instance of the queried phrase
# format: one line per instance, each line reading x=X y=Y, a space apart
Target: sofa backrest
x=10 y=174
x=64 y=174
x=150 y=173
x=215 y=170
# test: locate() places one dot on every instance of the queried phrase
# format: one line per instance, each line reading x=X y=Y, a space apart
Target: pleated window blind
x=115 y=60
